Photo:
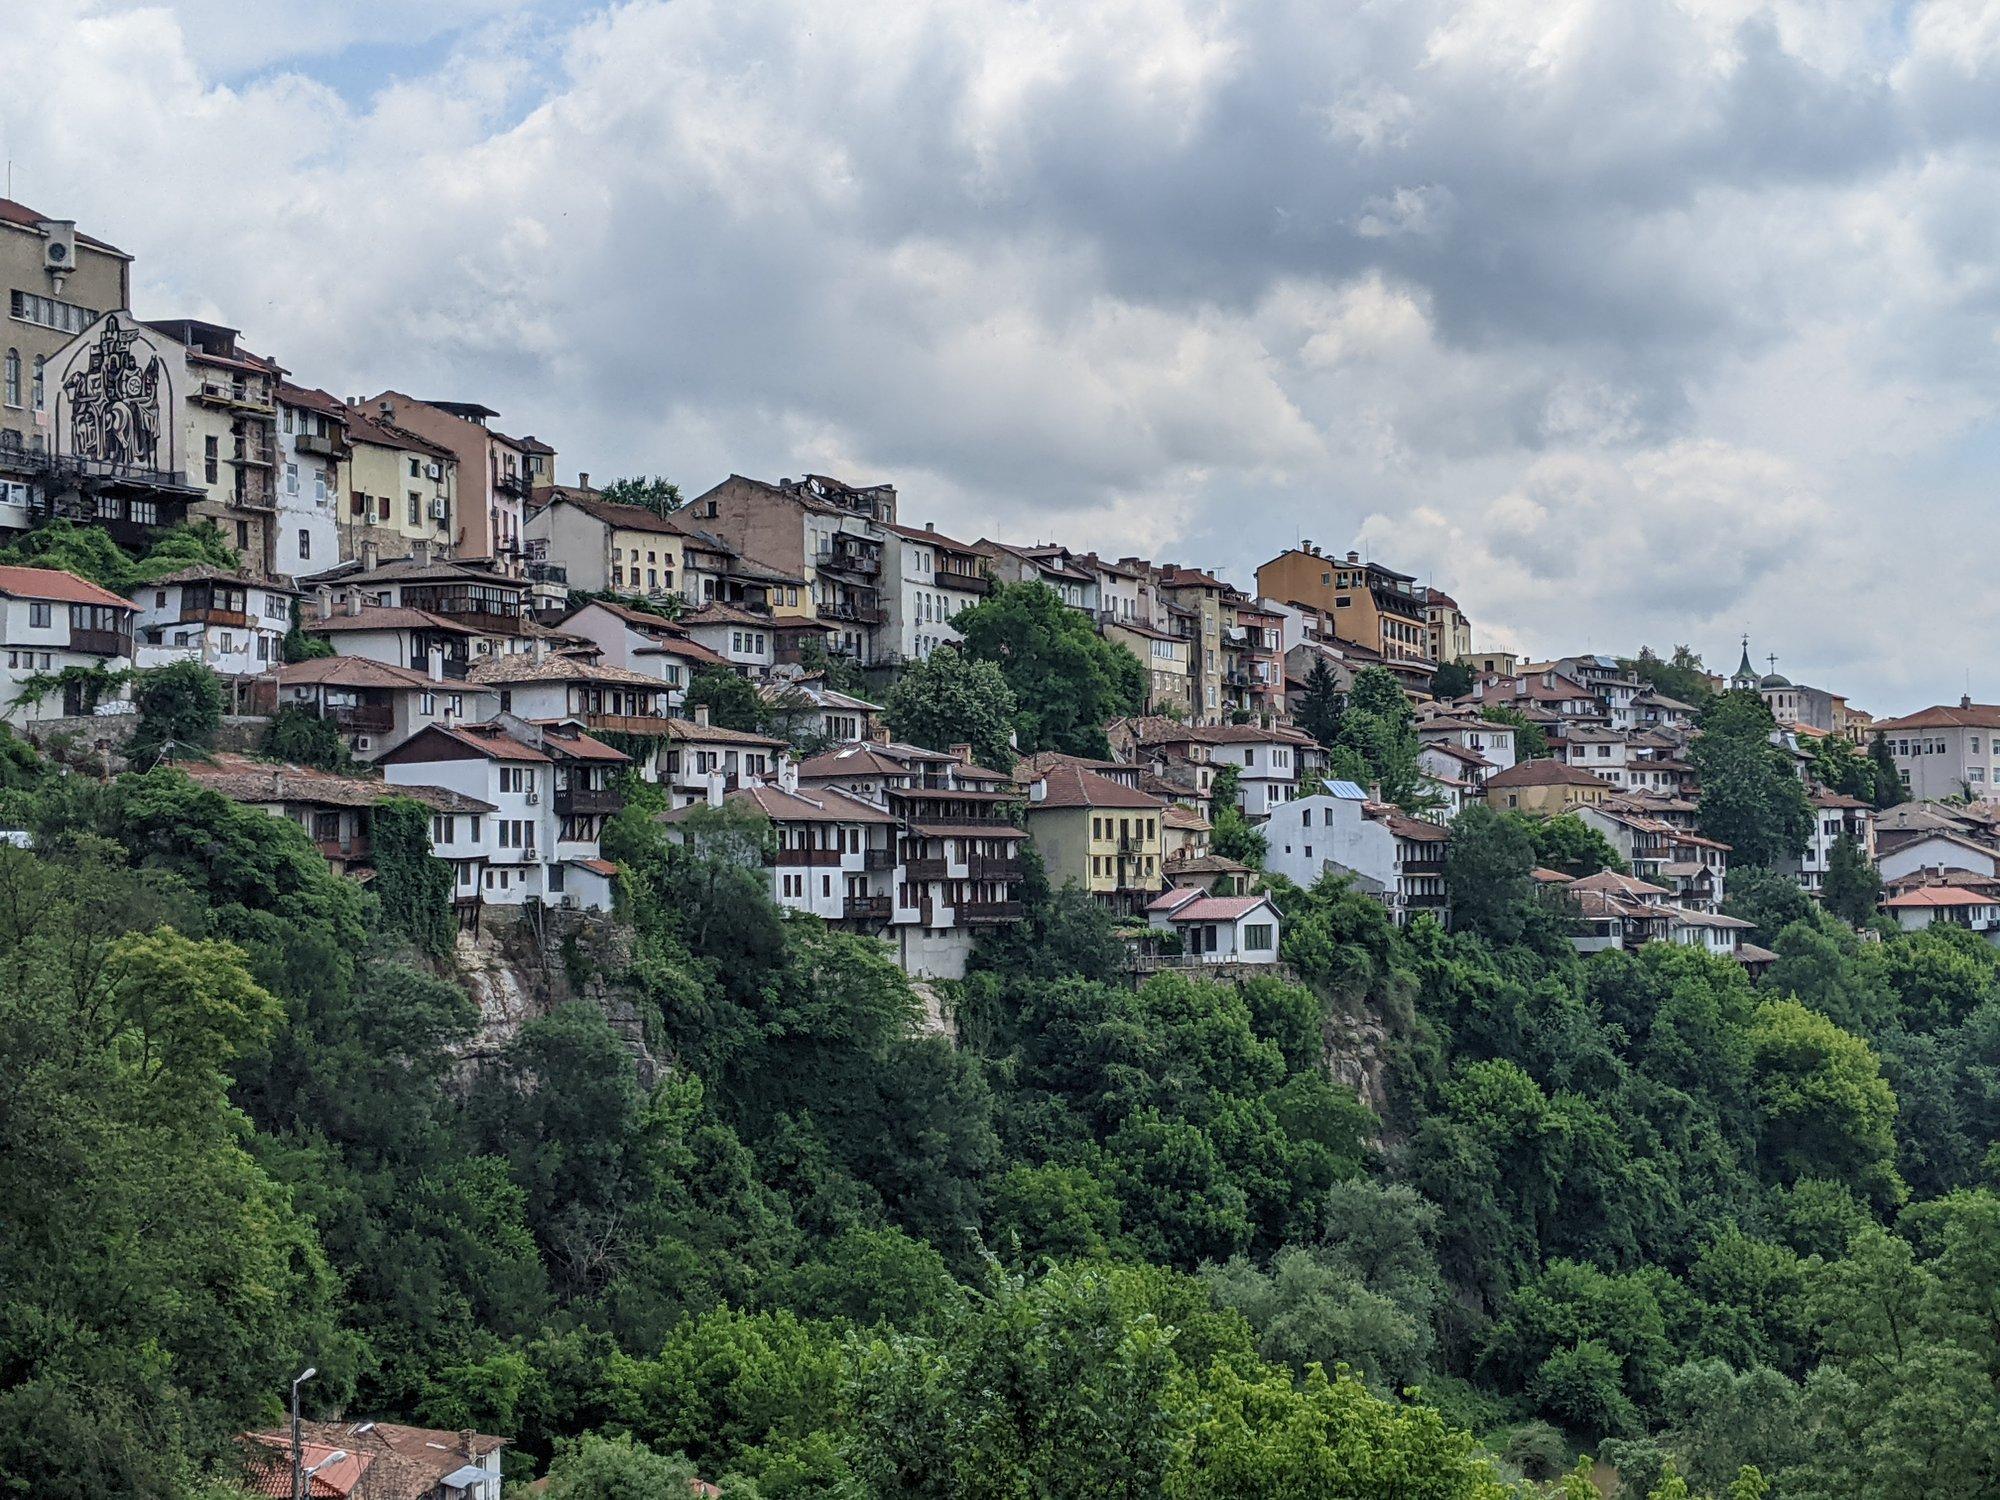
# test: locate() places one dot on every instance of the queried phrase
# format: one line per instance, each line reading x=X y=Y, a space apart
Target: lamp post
x=332 y=1458
x=298 y=1451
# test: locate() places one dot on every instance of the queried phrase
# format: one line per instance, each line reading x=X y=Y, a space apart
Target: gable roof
x=57 y=585
x=1545 y=772
x=1074 y=786
x=486 y=741
x=361 y=672
x=1961 y=715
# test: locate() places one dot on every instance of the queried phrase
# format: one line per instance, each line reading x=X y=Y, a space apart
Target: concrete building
x=1545 y=787
x=1369 y=604
x=59 y=282
x=1447 y=632
x=376 y=705
x=928 y=580
x=496 y=473
x=402 y=495
x=604 y=547
x=1946 y=750
x=314 y=458
x=1220 y=929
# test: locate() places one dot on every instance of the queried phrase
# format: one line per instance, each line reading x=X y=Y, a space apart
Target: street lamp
x=332 y=1458
x=298 y=1451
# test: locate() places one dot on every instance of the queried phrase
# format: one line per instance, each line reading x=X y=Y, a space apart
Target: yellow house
x=1544 y=787
x=1164 y=655
x=402 y=489
x=1097 y=835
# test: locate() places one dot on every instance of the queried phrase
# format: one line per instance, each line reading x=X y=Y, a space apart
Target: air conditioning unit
x=534 y=799
x=569 y=903
x=536 y=857
x=436 y=471
x=58 y=246
x=362 y=742
x=439 y=510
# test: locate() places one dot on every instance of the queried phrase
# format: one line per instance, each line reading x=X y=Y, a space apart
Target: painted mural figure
x=114 y=406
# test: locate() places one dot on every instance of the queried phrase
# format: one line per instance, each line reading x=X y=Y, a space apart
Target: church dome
x=1774 y=681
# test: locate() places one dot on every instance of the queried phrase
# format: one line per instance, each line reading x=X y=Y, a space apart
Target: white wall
x=1332 y=828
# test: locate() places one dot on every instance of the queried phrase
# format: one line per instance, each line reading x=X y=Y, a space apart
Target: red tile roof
x=1073 y=786
x=1946 y=716
x=54 y=583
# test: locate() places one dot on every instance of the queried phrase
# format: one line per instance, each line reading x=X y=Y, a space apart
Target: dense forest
x=1435 y=1214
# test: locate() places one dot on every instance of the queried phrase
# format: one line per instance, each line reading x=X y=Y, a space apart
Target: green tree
x=180 y=710
x=951 y=699
x=1068 y=682
x=1320 y=703
x=1771 y=898
x=1452 y=679
x=1852 y=887
x=650 y=492
x=304 y=738
x=731 y=699
x=1486 y=877
x=413 y=885
x=1823 y=1106
x=1569 y=844
x=1888 y=787
x=1379 y=727
x=616 y=1468
x=1750 y=798
x=1680 y=676
x=1531 y=741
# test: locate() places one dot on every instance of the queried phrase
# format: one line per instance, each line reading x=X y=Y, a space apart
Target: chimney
x=465 y=1436
x=437 y=663
x=420 y=552
x=715 y=789
x=352 y=599
x=1038 y=789
x=324 y=596
x=371 y=556
x=538 y=648
x=1354 y=557
x=962 y=753
x=788 y=774
x=1965 y=700
x=582 y=479
x=701 y=714
x=930 y=526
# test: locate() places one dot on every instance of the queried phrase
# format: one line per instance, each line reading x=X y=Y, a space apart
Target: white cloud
x=1624 y=319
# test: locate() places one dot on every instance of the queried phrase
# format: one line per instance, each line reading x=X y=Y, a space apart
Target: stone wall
x=84 y=741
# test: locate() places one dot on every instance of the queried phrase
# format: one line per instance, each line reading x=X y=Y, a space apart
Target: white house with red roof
x=1219 y=929
x=832 y=854
x=225 y=619
x=637 y=640
x=531 y=847
x=1930 y=905
x=51 y=620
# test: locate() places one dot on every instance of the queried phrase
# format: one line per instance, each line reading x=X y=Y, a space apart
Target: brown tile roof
x=490 y=741
x=385 y=617
x=564 y=738
x=1178 y=816
x=1545 y=772
x=781 y=806
x=1205 y=908
x=521 y=666
x=311 y=398
x=687 y=729
x=403 y=1463
x=358 y=672
x=1612 y=883
x=209 y=573
x=19 y=213
x=1946 y=716
x=1938 y=896
x=622 y=517
x=725 y=614
x=241 y=779
x=54 y=583
x=1073 y=786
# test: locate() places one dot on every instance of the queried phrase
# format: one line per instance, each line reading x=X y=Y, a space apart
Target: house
x=1219 y=929
x=383 y=1461
x=1385 y=853
x=1369 y=604
x=1448 y=634
x=1268 y=759
x=1453 y=764
x=1184 y=831
x=314 y=458
x=1544 y=786
x=928 y=579
x=606 y=547
x=1163 y=653
x=228 y=621
x=832 y=855
x=1625 y=911
x=1100 y=835
x=495 y=473
x=1834 y=814
x=402 y=491
x=815 y=713
x=1195 y=605
x=375 y=705
x=1902 y=854
x=1253 y=660
x=525 y=849
x=1463 y=729
x=1927 y=906
x=1945 y=750
x=640 y=641
x=697 y=760
x=478 y=596
x=400 y=637
x=336 y=811
x=1044 y=563
x=743 y=639
x=53 y=622
x=559 y=685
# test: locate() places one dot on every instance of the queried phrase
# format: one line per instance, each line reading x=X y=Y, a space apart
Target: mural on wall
x=119 y=410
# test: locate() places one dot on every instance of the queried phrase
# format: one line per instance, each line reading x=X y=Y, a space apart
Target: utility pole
x=298 y=1449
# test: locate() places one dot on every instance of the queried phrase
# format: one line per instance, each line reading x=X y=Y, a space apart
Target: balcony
x=655 y=724
x=965 y=583
x=248 y=451
x=547 y=572
x=516 y=485
x=1421 y=867
x=878 y=859
x=325 y=445
x=849 y=560
x=99 y=642
x=234 y=395
x=990 y=911
x=588 y=802
x=253 y=492
x=353 y=848
x=811 y=858
x=199 y=616
x=847 y=609
x=363 y=718
x=924 y=869
x=865 y=909
x=1427 y=901
x=993 y=867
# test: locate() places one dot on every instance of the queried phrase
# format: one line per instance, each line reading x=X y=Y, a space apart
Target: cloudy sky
x=1624 y=320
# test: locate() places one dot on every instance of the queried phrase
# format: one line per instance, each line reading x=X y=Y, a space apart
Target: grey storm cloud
x=1626 y=320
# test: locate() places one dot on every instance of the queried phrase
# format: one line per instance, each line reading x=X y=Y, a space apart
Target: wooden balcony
x=866 y=909
x=588 y=802
x=814 y=858
x=364 y=718
x=975 y=912
x=99 y=642
x=655 y=724
x=925 y=869
x=878 y=859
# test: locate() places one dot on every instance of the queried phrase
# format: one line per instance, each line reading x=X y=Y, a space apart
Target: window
x=1257 y=937
x=416 y=509
x=38 y=615
x=41 y=386
x=413 y=468
x=242 y=536
x=305 y=544
x=64 y=317
x=13 y=377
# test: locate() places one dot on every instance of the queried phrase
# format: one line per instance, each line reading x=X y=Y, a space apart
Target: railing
x=1423 y=867
x=588 y=802
x=234 y=617
x=848 y=560
x=993 y=867
x=925 y=869
x=98 y=468
x=228 y=393
x=845 y=609
x=990 y=911
x=354 y=848
x=627 y=723
x=369 y=718
x=866 y=908
x=547 y=572
x=516 y=485
x=971 y=583
x=878 y=859
x=254 y=493
x=326 y=445
x=807 y=857
x=99 y=642
x=247 y=452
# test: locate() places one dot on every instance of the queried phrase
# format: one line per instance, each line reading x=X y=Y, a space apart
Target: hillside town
x=513 y=649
